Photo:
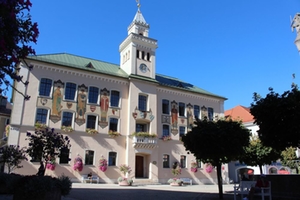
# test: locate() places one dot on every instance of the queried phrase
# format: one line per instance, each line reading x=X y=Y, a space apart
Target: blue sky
x=231 y=48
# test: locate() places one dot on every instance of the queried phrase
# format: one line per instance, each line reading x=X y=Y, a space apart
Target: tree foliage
x=17 y=31
x=46 y=144
x=12 y=156
x=278 y=118
x=258 y=154
x=288 y=158
x=217 y=142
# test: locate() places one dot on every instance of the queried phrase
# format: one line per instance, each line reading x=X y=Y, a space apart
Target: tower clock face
x=143 y=68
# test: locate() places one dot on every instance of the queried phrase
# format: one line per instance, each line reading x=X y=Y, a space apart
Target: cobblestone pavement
x=149 y=192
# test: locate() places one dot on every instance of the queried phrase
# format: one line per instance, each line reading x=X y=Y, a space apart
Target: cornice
x=80 y=74
x=187 y=94
x=138 y=38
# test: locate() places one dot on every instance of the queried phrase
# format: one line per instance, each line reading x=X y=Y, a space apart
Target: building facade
x=94 y=99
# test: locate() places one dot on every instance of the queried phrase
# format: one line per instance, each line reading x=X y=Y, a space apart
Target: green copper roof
x=83 y=63
x=98 y=66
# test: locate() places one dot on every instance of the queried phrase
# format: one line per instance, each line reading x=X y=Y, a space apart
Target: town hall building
x=125 y=113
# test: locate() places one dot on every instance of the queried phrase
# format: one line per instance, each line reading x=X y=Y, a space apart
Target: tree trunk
x=220 y=181
x=260 y=169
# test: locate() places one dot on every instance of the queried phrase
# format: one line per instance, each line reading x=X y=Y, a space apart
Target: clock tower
x=137 y=51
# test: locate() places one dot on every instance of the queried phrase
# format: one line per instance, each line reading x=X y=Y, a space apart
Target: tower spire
x=138 y=5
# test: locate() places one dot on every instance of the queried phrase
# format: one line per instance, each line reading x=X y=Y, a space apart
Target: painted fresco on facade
x=146 y=115
x=104 y=104
x=174 y=117
x=81 y=104
x=56 y=102
x=190 y=117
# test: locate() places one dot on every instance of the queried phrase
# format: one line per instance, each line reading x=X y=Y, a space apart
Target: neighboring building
x=5 y=110
x=235 y=168
x=84 y=94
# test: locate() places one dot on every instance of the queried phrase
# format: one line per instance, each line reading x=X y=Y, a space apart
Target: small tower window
x=148 y=56
x=137 y=53
x=143 y=55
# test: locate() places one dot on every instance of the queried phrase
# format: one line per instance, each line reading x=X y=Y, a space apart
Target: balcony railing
x=144 y=142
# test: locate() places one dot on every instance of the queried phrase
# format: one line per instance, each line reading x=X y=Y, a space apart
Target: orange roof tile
x=240 y=113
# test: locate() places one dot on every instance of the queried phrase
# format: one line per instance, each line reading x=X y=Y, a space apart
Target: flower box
x=113 y=134
x=91 y=131
x=67 y=129
x=166 y=138
x=144 y=134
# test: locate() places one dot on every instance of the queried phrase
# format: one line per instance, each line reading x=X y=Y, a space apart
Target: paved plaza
x=147 y=192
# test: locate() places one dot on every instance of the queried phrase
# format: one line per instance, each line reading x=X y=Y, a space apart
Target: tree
x=16 y=32
x=46 y=144
x=278 y=118
x=12 y=156
x=217 y=142
x=258 y=154
x=288 y=158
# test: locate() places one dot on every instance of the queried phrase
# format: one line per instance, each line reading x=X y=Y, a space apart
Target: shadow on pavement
x=140 y=194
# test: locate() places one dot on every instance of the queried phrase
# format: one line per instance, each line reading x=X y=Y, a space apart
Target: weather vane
x=138 y=4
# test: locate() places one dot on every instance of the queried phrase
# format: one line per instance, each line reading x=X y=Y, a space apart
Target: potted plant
x=7 y=130
x=175 y=181
x=67 y=129
x=51 y=164
x=125 y=170
x=113 y=134
x=208 y=168
x=103 y=164
x=176 y=170
x=144 y=134
x=78 y=164
x=91 y=131
x=166 y=138
x=194 y=167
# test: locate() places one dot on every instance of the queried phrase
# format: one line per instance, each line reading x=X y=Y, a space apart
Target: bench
x=244 y=188
x=187 y=181
x=84 y=178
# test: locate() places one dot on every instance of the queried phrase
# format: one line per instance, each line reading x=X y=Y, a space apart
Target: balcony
x=144 y=142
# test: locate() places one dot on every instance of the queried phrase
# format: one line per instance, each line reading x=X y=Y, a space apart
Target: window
x=166 y=161
x=210 y=114
x=41 y=115
x=142 y=102
x=91 y=121
x=181 y=109
x=198 y=163
x=143 y=55
x=181 y=131
x=70 y=91
x=166 y=130
x=137 y=54
x=140 y=128
x=93 y=94
x=89 y=157
x=45 y=87
x=114 y=98
x=113 y=124
x=183 y=161
x=148 y=56
x=38 y=157
x=64 y=155
x=112 y=157
x=165 y=106
x=67 y=119
x=196 y=111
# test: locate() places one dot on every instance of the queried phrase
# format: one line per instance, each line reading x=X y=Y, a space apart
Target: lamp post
x=296 y=25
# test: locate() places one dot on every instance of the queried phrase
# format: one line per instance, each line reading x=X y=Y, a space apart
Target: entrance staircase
x=144 y=181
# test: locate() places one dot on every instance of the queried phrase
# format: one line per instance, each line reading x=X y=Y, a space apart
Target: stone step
x=140 y=182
